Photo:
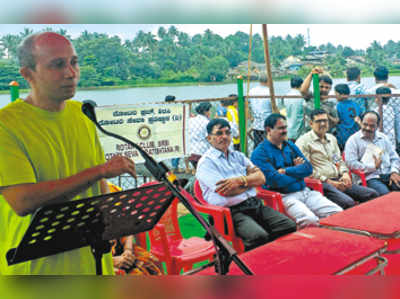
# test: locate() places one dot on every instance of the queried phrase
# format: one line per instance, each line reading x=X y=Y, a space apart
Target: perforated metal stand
x=91 y=222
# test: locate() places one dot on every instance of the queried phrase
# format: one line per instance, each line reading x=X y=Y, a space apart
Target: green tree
x=376 y=55
x=214 y=69
x=347 y=52
x=89 y=76
x=10 y=43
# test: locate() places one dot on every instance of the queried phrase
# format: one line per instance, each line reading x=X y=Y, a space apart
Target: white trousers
x=306 y=207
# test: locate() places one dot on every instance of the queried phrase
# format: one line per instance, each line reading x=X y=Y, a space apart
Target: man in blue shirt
x=285 y=168
x=228 y=178
x=349 y=115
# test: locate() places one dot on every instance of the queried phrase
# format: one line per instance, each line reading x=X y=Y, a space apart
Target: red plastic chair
x=314 y=184
x=222 y=216
x=168 y=245
x=357 y=172
x=140 y=238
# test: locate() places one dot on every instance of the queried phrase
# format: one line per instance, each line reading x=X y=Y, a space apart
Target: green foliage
x=304 y=71
x=172 y=56
x=9 y=71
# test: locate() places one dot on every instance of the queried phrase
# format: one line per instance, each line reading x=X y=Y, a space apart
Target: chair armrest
x=221 y=216
x=314 y=184
x=271 y=198
x=361 y=175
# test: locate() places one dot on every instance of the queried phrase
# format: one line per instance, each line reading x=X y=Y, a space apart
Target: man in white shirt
x=198 y=132
x=260 y=108
x=383 y=174
x=228 y=178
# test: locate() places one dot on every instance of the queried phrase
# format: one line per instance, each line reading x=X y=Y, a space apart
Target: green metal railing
x=242 y=116
x=317 y=97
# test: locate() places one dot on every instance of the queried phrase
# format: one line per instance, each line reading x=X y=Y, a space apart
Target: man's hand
x=338 y=185
x=282 y=171
x=378 y=161
x=118 y=165
x=125 y=260
x=224 y=187
x=346 y=180
x=250 y=170
x=298 y=161
x=395 y=178
x=317 y=70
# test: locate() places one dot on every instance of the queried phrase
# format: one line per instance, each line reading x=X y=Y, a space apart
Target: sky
x=357 y=36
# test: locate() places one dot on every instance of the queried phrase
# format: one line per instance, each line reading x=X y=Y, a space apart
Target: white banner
x=158 y=129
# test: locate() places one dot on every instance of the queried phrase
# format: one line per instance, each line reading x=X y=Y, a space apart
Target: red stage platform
x=312 y=251
x=379 y=218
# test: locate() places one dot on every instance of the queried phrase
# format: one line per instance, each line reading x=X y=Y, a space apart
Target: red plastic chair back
x=169 y=220
x=222 y=218
x=199 y=194
x=169 y=246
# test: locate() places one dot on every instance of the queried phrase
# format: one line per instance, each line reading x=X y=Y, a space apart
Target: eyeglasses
x=220 y=133
x=320 y=121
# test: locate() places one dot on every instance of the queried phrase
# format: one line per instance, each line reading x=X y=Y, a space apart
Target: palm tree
x=161 y=33
x=10 y=43
x=25 y=33
x=64 y=33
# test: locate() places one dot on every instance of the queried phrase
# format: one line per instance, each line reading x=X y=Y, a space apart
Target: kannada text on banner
x=158 y=129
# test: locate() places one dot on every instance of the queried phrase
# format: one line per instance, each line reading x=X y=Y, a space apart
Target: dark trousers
x=381 y=185
x=258 y=136
x=347 y=198
x=257 y=224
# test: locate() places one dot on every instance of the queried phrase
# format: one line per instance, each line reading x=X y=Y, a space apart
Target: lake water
x=157 y=94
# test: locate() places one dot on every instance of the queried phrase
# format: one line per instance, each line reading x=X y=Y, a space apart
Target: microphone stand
x=225 y=253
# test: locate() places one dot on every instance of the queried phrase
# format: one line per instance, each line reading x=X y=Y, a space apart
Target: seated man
x=322 y=150
x=371 y=151
x=227 y=178
x=285 y=168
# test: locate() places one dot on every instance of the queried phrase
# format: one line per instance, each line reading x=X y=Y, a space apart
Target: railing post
x=14 y=90
x=317 y=99
x=242 y=116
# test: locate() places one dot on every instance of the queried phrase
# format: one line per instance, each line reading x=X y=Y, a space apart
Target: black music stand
x=225 y=253
x=91 y=222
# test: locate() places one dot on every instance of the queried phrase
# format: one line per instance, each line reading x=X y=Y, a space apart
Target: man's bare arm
x=238 y=185
x=304 y=88
x=26 y=198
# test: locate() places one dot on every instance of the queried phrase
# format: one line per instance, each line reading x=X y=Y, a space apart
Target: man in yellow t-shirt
x=49 y=152
x=233 y=116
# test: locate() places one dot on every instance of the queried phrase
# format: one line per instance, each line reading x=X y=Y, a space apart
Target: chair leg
x=238 y=246
x=173 y=268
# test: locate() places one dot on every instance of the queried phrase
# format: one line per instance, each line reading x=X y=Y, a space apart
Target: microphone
x=88 y=110
x=161 y=172
x=158 y=170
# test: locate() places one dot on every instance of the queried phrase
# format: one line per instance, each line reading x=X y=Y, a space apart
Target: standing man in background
x=260 y=108
x=353 y=76
x=329 y=105
x=49 y=153
x=232 y=116
x=295 y=110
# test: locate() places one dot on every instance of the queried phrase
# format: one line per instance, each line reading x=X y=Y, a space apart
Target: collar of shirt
x=216 y=153
x=378 y=136
x=315 y=137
